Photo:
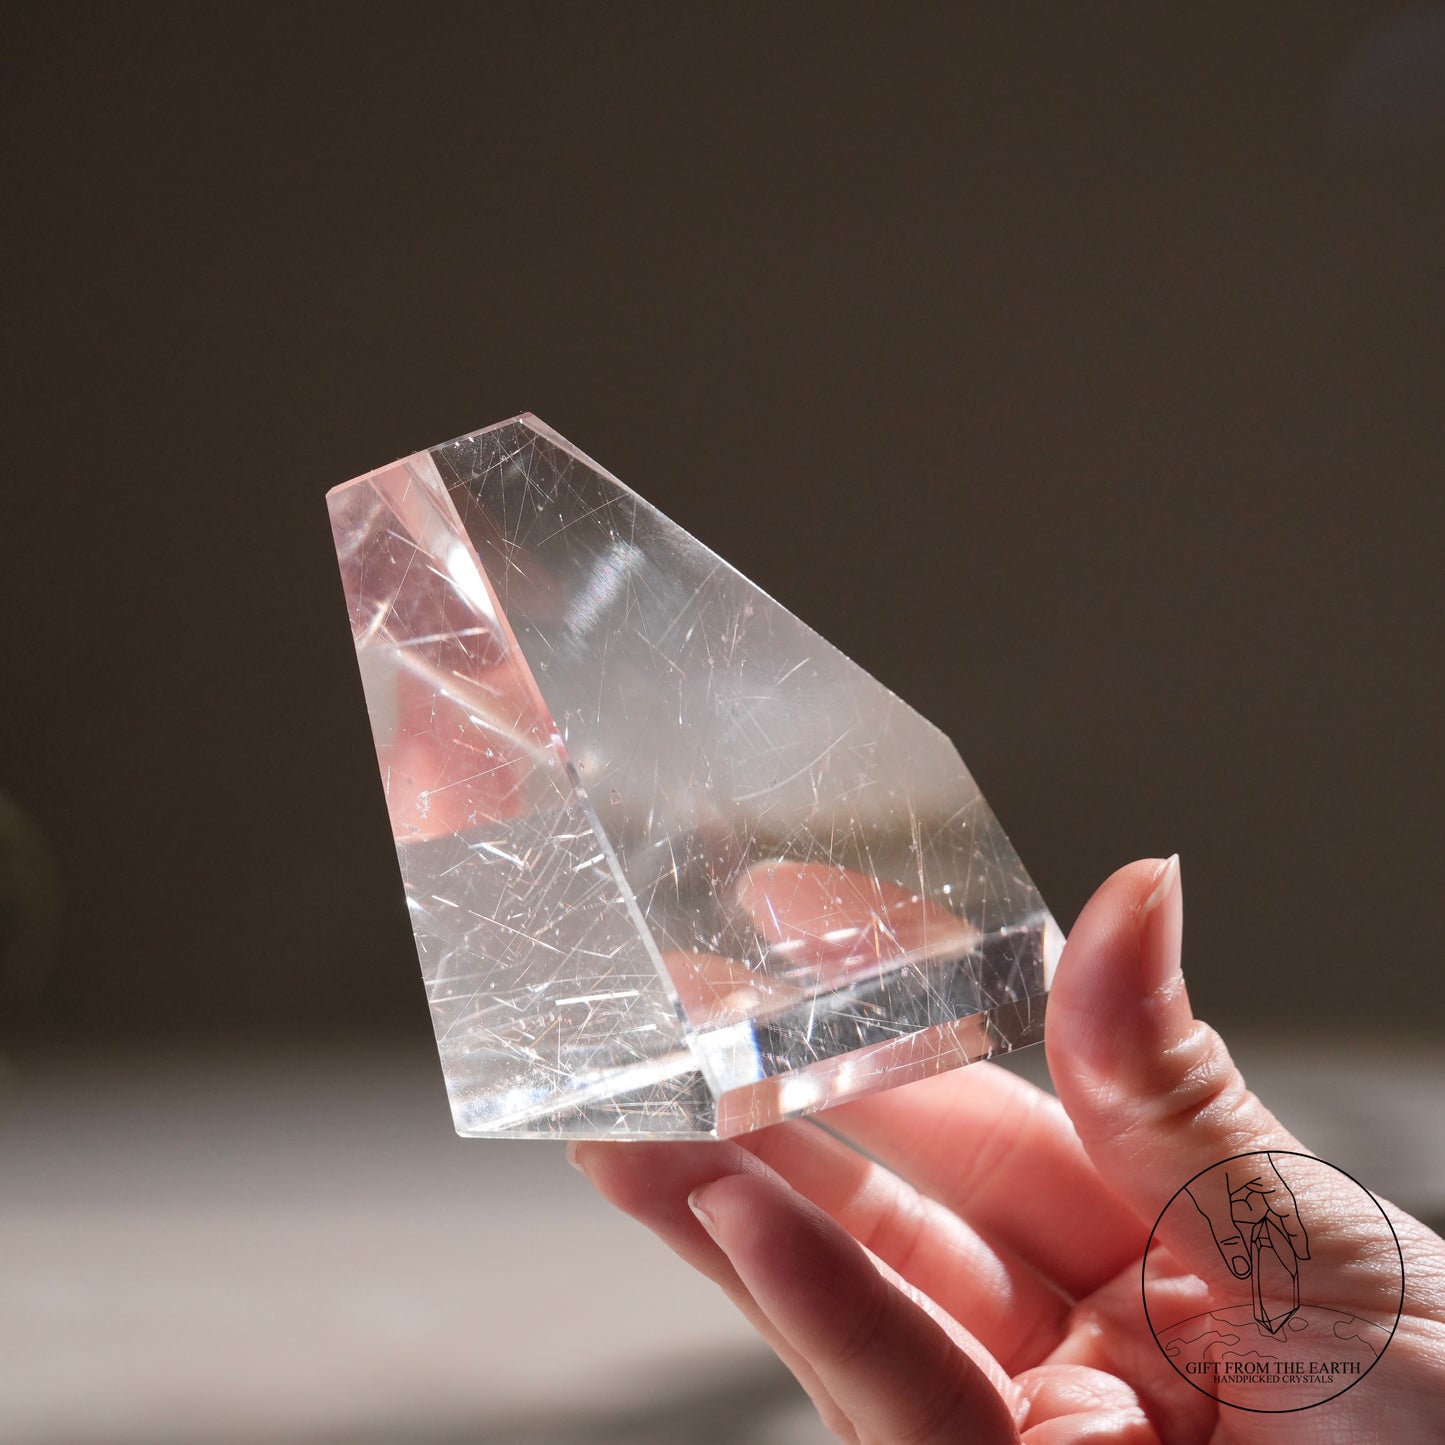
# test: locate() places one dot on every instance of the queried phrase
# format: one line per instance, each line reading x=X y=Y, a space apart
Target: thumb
x=1285 y=1212
x=1211 y=1198
x=1152 y=1092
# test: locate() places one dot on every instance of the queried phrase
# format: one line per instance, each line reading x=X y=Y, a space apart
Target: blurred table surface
x=295 y=1247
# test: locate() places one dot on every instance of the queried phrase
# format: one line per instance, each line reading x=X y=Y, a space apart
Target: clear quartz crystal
x=675 y=865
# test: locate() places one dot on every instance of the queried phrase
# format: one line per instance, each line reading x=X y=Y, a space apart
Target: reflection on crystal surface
x=676 y=866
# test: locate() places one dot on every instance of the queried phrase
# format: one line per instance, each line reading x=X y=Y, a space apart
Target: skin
x=974 y=1276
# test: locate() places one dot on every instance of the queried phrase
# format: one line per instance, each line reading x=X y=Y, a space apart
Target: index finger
x=996 y=1150
x=1003 y=1155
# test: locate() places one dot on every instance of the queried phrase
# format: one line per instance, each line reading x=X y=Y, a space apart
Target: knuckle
x=1195 y=1079
x=1010 y=1131
x=865 y=1332
x=896 y=1225
x=1195 y=1088
x=937 y=1415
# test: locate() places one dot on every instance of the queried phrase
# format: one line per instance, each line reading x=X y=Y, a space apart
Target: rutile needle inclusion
x=676 y=867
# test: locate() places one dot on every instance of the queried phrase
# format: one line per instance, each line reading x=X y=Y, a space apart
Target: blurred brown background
x=1077 y=369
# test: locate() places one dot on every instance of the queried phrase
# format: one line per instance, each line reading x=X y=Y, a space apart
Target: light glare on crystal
x=675 y=865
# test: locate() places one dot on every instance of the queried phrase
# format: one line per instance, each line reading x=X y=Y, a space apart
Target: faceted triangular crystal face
x=676 y=866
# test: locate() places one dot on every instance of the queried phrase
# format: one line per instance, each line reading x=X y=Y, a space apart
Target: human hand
x=980 y=1281
x=1239 y=1195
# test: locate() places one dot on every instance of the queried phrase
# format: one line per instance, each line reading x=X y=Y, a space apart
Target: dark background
x=1077 y=369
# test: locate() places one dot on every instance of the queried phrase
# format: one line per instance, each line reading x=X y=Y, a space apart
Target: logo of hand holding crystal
x=1254 y=1218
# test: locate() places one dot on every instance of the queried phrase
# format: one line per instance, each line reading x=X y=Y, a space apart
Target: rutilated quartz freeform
x=676 y=866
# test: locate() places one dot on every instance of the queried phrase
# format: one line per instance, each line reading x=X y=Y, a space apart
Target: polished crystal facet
x=675 y=865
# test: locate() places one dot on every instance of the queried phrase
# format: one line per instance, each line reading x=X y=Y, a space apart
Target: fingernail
x=1240 y=1265
x=1160 y=920
x=1164 y=881
x=572 y=1158
x=703 y=1217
